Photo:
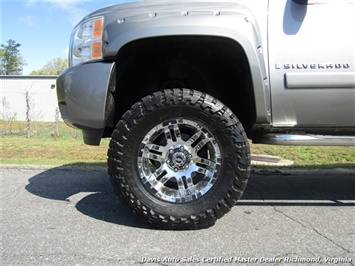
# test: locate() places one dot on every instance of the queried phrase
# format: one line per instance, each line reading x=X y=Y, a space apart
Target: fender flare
x=238 y=25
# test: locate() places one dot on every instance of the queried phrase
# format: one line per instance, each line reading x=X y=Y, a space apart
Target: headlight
x=86 y=41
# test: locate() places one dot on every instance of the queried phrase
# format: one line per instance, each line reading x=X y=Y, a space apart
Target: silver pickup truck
x=180 y=87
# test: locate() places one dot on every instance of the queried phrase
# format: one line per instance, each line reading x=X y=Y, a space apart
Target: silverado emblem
x=313 y=66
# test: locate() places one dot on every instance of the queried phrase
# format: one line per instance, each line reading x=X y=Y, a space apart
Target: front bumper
x=82 y=95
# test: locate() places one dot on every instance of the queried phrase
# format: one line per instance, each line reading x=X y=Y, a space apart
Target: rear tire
x=179 y=158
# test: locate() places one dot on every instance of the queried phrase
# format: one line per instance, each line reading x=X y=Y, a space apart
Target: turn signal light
x=96 y=49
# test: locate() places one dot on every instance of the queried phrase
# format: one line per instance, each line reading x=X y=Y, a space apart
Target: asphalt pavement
x=70 y=216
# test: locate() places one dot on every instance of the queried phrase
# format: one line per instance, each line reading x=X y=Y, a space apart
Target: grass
x=311 y=156
x=45 y=148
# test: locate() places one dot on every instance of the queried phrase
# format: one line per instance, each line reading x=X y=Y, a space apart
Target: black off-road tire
x=179 y=158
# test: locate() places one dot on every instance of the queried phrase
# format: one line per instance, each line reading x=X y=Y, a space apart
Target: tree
x=7 y=116
x=53 y=67
x=11 y=61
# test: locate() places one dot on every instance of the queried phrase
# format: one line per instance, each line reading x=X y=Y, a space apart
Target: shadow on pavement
x=322 y=187
x=89 y=189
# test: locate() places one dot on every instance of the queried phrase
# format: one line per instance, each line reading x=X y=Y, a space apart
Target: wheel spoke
x=200 y=145
x=164 y=179
x=167 y=133
x=177 y=132
x=195 y=137
x=158 y=185
x=172 y=133
x=182 y=189
x=208 y=163
x=190 y=185
x=152 y=152
x=206 y=172
x=186 y=186
x=159 y=173
x=154 y=147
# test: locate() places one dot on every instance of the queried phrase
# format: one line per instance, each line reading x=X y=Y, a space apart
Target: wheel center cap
x=179 y=158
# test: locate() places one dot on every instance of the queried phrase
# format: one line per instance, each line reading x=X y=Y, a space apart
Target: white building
x=40 y=90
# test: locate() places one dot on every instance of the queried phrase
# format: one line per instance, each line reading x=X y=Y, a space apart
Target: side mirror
x=301 y=2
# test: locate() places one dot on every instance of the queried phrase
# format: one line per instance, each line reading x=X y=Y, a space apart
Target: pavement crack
x=329 y=239
x=310 y=227
x=288 y=216
x=307 y=226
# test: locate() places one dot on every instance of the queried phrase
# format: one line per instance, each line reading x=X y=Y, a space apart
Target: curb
x=257 y=159
x=52 y=167
x=104 y=169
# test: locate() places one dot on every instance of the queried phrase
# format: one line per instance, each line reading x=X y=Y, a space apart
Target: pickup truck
x=181 y=87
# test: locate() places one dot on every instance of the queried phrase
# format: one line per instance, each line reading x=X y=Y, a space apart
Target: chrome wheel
x=179 y=160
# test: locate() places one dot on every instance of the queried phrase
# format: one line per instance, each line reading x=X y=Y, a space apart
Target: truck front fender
x=233 y=21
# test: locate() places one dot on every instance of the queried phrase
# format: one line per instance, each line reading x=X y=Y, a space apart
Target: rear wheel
x=179 y=158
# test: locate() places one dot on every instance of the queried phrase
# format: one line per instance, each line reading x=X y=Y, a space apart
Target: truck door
x=311 y=62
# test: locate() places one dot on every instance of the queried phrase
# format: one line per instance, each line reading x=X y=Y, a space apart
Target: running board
x=305 y=140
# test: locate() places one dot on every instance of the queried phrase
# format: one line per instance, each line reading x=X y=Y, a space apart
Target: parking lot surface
x=70 y=216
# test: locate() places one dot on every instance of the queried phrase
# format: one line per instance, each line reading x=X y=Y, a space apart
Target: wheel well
x=215 y=65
